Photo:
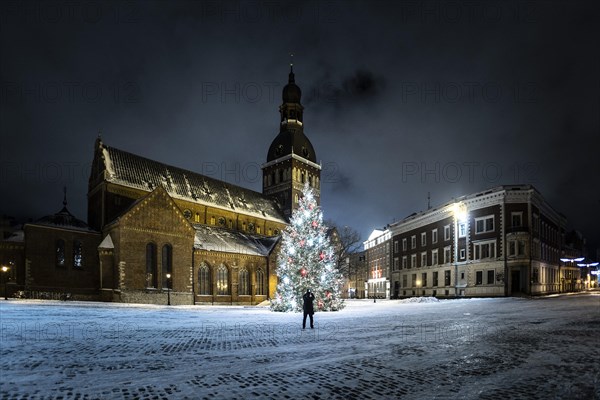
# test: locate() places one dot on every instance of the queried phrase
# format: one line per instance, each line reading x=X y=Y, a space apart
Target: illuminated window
x=462 y=229
x=244 y=282
x=60 y=253
x=197 y=218
x=77 y=254
x=222 y=282
x=204 y=280
x=260 y=282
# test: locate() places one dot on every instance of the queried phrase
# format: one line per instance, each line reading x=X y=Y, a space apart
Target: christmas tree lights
x=306 y=261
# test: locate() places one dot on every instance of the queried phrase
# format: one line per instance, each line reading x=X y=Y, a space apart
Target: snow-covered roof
x=230 y=241
x=107 y=243
x=64 y=220
x=16 y=236
x=137 y=172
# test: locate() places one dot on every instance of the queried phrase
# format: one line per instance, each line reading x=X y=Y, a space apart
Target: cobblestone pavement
x=486 y=349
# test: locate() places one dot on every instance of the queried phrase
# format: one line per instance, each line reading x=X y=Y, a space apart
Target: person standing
x=308 y=308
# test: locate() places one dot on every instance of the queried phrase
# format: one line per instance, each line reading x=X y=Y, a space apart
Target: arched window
x=222 y=282
x=204 y=280
x=77 y=254
x=260 y=282
x=244 y=282
x=167 y=264
x=151 y=266
x=60 y=253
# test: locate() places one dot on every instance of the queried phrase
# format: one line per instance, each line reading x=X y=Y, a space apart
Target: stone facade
x=501 y=242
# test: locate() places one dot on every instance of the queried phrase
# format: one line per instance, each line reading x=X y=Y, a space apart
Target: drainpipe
x=193 y=280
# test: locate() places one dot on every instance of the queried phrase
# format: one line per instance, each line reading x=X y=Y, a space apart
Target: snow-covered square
x=503 y=348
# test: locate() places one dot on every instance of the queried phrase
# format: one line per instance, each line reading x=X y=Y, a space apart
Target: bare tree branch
x=346 y=241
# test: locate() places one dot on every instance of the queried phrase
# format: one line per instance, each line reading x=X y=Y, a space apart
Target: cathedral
x=159 y=234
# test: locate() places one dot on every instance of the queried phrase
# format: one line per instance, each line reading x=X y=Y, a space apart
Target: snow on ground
x=508 y=348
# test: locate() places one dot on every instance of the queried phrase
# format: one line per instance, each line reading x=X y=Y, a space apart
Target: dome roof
x=63 y=219
x=291 y=141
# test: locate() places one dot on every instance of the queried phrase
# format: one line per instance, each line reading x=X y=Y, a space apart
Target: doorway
x=515 y=282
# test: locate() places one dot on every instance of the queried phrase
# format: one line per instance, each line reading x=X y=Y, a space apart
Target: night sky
x=401 y=99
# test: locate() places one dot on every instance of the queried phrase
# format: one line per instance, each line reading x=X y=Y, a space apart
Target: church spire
x=291 y=109
x=291 y=160
x=291 y=78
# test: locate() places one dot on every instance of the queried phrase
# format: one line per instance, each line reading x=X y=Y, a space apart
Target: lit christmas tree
x=307 y=261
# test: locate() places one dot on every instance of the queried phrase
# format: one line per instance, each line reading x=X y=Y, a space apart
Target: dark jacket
x=308 y=303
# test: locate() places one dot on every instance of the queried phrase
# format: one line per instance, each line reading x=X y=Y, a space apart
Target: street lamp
x=168 y=289
x=572 y=261
x=5 y=270
x=588 y=265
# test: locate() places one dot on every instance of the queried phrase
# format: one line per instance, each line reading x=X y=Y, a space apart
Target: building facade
x=503 y=241
x=377 y=258
x=158 y=233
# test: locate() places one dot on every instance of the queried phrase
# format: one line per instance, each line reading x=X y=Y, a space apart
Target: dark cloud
x=362 y=88
x=395 y=96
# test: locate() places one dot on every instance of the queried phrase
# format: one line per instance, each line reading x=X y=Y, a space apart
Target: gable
x=156 y=213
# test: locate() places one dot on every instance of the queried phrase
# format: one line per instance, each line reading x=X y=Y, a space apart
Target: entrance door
x=515 y=282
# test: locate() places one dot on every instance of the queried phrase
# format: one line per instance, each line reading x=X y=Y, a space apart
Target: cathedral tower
x=291 y=160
